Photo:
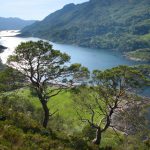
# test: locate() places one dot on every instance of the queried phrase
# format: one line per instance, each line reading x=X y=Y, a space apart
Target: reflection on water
x=11 y=43
x=91 y=58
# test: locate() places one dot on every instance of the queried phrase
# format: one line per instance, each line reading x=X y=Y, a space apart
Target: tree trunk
x=46 y=113
x=97 y=139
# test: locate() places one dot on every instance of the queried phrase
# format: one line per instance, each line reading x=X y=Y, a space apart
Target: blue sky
x=32 y=9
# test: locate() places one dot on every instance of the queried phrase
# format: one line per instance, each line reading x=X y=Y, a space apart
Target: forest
x=47 y=104
x=122 y=25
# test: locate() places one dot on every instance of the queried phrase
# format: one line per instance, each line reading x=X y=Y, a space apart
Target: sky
x=32 y=9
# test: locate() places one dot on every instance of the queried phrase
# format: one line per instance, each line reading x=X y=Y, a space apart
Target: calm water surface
x=89 y=57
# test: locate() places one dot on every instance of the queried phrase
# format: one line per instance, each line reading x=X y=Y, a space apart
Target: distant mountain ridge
x=107 y=24
x=14 y=23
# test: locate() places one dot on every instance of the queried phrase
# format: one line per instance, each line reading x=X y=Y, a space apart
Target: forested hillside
x=49 y=105
x=107 y=24
x=48 y=102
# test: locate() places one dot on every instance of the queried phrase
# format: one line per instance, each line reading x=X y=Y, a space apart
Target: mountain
x=14 y=23
x=107 y=24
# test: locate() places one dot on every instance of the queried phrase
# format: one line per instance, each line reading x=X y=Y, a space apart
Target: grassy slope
x=145 y=37
x=72 y=124
x=21 y=132
x=140 y=55
x=62 y=103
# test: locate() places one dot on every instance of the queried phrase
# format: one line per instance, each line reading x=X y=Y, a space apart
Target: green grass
x=145 y=37
x=66 y=110
x=61 y=103
x=27 y=94
x=64 y=103
x=140 y=55
x=65 y=107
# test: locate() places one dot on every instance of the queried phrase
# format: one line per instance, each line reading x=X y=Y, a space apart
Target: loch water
x=89 y=57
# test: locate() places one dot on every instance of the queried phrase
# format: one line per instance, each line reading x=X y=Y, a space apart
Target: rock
x=2 y=48
x=2 y=118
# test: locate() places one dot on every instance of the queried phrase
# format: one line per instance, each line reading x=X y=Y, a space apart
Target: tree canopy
x=110 y=91
x=47 y=70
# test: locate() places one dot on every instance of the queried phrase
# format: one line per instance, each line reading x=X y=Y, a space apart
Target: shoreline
x=124 y=54
x=136 y=59
x=140 y=55
x=2 y=48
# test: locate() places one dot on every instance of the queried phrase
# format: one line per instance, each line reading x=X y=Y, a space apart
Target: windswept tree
x=144 y=69
x=46 y=70
x=110 y=91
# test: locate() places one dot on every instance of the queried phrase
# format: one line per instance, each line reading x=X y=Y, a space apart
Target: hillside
x=140 y=55
x=47 y=105
x=14 y=23
x=111 y=24
x=20 y=127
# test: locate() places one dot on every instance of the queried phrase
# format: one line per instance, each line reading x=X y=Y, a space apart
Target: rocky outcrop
x=2 y=48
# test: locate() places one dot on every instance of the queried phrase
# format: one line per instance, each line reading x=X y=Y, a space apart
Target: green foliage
x=20 y=131
x=97 y=104
x=140 y=55
x=46 y=70
x=112 y=78
x=65 y=119
x=1 y=65
x=88 y=133
x=111 y=24
x=10 y=79
x=21 y=113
